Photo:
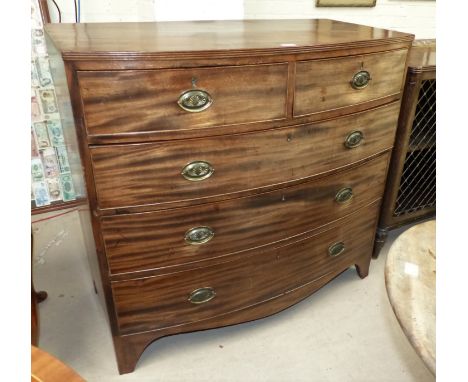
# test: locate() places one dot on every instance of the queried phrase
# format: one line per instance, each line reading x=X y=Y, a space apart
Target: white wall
x=198 y=10
x=148 y=10
x=105 y=10
x=417 y=16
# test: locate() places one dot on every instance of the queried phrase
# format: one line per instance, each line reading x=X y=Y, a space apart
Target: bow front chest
x=232 y=167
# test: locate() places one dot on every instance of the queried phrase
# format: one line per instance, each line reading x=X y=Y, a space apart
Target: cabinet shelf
x=423 y=144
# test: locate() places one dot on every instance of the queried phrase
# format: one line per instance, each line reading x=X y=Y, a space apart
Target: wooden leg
x=36 y=297
x=380 y=238
x=34 y=319
x=128 y=349
x=362 y=267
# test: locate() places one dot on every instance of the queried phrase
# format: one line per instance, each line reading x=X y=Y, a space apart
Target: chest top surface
x=93 y=40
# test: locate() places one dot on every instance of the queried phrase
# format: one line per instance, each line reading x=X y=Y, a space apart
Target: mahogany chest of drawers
x=232 y=168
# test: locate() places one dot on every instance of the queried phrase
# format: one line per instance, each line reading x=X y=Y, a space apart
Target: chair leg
x=36 y=297
x=41 y=296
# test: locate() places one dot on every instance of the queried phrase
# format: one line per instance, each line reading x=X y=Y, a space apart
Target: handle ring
x=195 y=100
x=199 y=235
x=336 y=249
x=361 y=80
x=354 y=139
x=202 y=295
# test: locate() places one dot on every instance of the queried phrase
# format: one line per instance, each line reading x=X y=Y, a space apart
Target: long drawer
x=179 y=236
x=334 y=83
x=175 y=299
x=136 y=101
x=151 y=173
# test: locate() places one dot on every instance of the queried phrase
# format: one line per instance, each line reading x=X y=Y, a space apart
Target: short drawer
x=170 y=300
x=194 y=170
x=181 y=236
x=339 y=82
x=136 y=101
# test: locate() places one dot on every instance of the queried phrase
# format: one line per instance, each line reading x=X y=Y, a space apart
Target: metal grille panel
x=417 y=189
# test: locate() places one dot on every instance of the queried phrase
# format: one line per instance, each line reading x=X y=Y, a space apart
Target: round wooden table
x=47 y=368
x=410 y=278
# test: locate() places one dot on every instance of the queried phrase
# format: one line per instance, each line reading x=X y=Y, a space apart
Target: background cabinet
x=410 y=193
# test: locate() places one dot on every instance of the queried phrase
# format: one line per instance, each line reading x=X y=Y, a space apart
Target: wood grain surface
x=129 y=347
x=422 y=55
x=326 y=84
x=222 y=38
x=153 y=240
x=283 y=107
x=140 y=100
x=47 y=368
x=159 y=302
x=150 y=174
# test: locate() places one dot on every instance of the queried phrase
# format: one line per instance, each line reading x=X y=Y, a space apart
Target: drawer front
x=328 y=84
x=188 y=235
x=190 y=296
x=137 y=101
x=150 y=174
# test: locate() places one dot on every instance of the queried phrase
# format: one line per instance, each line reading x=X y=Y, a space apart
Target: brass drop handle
x=195 y=100
x=336 y=249
x=199 y=235
x=198 y=170
x=202 y=295
x=361 y=80
x=354 y=139
x=344 y=195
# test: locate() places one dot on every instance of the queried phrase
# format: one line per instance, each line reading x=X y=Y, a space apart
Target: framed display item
x=345 y=3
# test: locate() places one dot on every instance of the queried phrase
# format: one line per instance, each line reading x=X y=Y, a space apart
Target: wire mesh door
x=417 y=190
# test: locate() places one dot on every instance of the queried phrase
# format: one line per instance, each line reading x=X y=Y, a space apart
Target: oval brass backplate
x=344 y=195
x=336 y=249
x=195 y=100
x=199 y=235
x=354 y=139
x=202 y=295
x=360 y=80
x=198 y=170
